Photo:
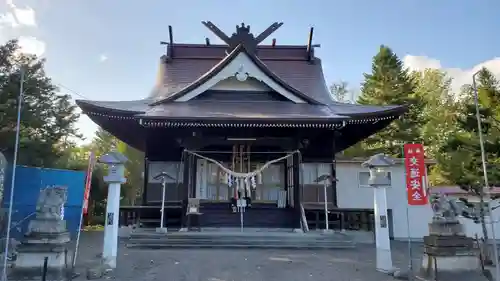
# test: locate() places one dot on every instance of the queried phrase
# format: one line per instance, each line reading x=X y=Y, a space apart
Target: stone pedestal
x=47 y=237
x=50 y=240
x=449 y=254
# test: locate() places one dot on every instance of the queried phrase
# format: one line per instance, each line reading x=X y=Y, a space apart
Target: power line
x=71 y=90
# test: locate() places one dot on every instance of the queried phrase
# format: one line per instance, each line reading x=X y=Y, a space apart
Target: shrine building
x=240 y=120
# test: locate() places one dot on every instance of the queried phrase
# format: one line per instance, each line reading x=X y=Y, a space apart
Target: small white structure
x=163 y=177
x=115 y=179
x=379 y=180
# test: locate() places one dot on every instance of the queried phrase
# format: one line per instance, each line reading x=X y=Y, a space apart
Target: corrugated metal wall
x=29 y=181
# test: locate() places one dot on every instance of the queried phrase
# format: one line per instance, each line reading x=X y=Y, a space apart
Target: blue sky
x=109 y=50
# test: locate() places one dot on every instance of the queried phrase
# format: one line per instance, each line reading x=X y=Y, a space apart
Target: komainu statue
x=50 y=204
x=449 y=209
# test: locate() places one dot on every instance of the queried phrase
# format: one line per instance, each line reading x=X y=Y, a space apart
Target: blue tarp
x=29 y=181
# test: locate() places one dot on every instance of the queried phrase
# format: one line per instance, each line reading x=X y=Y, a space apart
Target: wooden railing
x=341 y=219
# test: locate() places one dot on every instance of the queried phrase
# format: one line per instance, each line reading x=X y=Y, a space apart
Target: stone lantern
x=379 y=166
x=115 y=178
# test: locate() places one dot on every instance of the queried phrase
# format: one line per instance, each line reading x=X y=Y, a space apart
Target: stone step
x=236 y=241
x=297 y=238
x=266 y=245
x=261 y=240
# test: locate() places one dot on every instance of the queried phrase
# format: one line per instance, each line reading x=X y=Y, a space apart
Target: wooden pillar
x=145 y=182
x=286 y=183
x=144 y=196
x=184 y=192
x=334 y=170
x=192 y=176
x=297 y=192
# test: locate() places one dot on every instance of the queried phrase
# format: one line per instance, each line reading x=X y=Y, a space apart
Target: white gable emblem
x=241 y=75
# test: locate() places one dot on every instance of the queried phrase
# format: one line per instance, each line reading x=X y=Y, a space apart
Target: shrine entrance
x=245 y=174
x=241 y=186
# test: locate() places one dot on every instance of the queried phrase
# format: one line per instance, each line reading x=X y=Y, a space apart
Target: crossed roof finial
x=242 y=36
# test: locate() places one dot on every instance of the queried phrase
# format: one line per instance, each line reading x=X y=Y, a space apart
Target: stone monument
x=448 y=253
x=47 y=236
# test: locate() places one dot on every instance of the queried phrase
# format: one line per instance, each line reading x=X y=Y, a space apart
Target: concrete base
x=184 y=229
x=35 y=274
x=446 y=228
x=109 y=262
x=451 y=267
x=327 y=231
x=29 y=264
x=297 y=230
x=466 y=262
x=384 y=261
x=161 y=230
x=35 y=260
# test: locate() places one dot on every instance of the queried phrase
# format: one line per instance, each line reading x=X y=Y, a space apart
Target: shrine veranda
x=219 y=113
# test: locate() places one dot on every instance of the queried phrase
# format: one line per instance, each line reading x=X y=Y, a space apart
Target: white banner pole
x=88 y=180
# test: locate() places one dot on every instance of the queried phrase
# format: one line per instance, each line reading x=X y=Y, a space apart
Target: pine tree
x=390 y=84
x=439 y=118
x=459 y=160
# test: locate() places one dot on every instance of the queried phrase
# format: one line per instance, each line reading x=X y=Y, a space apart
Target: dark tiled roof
x=238 y=110
x=277 y=110
x=289 y=64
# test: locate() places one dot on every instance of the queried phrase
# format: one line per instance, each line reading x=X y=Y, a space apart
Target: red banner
x=416 y=177
x=88 y=181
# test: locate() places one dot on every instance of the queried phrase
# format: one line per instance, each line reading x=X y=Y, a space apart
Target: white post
x=325 y=184
x=382 y=242
x=110 y=246
x=379 y=180
x=115 y=179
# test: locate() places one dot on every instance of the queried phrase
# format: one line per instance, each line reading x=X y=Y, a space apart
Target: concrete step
x=239 y=246
x=257 y=240
x=297 y=238
x=237 y=241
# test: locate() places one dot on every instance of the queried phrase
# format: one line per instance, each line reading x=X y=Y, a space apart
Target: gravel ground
x=242 y=265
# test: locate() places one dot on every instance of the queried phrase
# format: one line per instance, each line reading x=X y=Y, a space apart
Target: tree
x=340 y=91
x=459 y=160
x=134 y=170
x=438 y=114
x=104 y=142
x=390 y=84
x=47 y=118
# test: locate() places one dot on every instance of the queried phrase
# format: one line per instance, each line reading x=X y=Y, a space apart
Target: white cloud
x=459 y=76
x=10 y=23
x=32 y=45
x=10 y=3
x=17 y=17
x=25 y=16
x=8 y=20
x=103 y=58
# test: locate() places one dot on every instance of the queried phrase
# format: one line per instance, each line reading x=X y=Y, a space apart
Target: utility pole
x=13 y=180
x=486 y=183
